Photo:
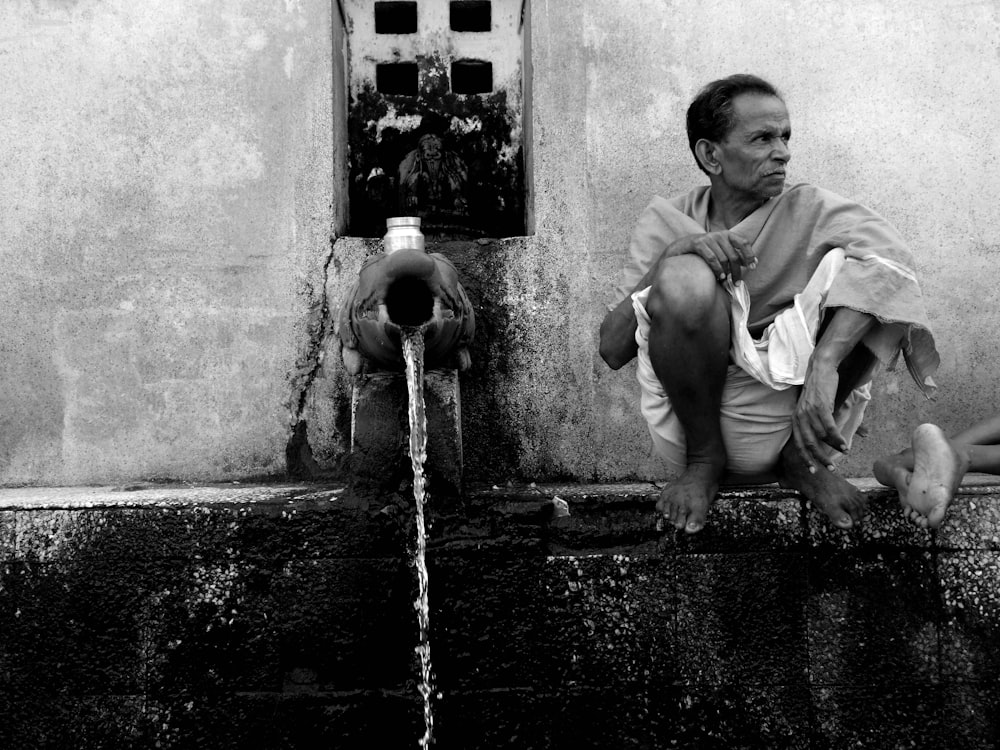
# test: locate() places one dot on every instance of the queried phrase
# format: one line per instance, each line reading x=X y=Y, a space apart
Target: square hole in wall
x=396 y=78
x=471 y=77
x=396 y=17
x=471 y=15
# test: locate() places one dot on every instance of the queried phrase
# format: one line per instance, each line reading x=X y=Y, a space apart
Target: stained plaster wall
x=482 y=131
x=167 y=200
x=174 y=177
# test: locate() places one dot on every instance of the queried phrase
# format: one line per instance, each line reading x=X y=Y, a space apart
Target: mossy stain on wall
x=481 y=133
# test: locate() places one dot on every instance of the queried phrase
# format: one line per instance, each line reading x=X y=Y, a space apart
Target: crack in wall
x=299 y=460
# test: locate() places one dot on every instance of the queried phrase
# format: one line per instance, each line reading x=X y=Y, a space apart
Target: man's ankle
x=715 y=458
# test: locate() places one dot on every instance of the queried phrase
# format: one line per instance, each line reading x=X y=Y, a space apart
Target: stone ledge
x=166 y=495
x=141 y=494
x=621 y=519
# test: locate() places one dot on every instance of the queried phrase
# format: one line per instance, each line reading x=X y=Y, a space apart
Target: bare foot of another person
x=896 y=471
x=938 y=468
x=843 y=503
x=685 y=501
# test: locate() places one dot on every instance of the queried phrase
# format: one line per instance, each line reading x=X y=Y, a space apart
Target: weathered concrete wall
x=510 y=425
x=281 y=617
x=174 y=178
x=167 y=212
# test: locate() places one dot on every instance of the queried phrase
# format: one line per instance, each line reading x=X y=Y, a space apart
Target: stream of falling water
x=413 y=352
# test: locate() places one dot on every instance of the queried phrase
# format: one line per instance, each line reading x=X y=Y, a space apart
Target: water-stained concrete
x=282 y=616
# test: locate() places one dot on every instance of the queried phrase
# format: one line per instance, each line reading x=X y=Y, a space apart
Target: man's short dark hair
x=711 y=116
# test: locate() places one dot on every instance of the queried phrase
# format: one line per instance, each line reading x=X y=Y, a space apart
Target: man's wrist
x=824 y=361
x=680 y=246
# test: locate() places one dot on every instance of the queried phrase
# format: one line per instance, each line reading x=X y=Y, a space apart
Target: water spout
x=405 y=287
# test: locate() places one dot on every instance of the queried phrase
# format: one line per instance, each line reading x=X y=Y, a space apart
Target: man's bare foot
x=841 y=501
x=685 y=501
x=938 y=468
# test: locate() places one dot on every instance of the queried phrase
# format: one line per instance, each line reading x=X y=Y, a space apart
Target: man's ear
x=707 y=154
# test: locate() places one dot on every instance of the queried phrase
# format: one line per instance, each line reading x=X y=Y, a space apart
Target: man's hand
x=813 y=423
x=725 y=252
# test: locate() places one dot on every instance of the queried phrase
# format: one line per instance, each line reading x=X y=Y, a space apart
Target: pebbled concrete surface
x=281 y=616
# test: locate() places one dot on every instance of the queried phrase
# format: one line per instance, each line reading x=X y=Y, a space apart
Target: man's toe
x=695 y=522
x=678 y=516
x=843 y=521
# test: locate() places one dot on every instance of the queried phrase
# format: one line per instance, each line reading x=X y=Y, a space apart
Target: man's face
x=754 y=154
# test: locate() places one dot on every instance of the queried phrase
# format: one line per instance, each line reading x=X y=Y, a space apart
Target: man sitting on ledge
x=758 y=314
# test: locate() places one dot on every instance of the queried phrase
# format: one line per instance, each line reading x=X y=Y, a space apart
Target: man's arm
x=725 y=253
x=813 y=421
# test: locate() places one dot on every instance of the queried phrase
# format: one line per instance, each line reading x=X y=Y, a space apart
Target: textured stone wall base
x=380 y=429
x=282 y=617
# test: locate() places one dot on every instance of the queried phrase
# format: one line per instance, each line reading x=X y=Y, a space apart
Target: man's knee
x=685 y=291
